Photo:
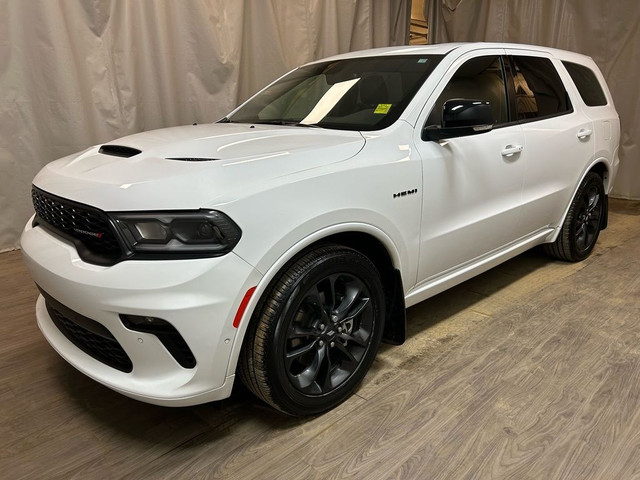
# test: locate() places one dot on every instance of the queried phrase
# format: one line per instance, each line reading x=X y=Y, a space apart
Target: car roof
x=445 y=48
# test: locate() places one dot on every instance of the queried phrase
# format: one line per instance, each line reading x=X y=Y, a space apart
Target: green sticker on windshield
x=382 y=108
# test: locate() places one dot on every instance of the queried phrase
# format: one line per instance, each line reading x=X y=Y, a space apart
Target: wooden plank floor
x=530 y=371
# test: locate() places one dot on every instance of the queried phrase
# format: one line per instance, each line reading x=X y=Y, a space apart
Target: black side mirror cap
x=461 y=118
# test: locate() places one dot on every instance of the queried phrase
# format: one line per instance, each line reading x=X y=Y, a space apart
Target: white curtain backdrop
x=76 y=73
x=606 y=30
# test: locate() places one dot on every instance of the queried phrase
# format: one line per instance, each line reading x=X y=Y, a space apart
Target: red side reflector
x=243 y=306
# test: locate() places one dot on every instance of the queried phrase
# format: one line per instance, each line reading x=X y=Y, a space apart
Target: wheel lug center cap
x=330 y=332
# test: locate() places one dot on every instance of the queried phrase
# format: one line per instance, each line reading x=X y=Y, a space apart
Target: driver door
x=472 y=186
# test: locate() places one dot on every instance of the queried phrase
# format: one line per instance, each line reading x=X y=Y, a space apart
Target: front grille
x=88 y=335
x=87 y=227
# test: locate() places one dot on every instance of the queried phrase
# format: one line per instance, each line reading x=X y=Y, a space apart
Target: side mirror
x=460 y=118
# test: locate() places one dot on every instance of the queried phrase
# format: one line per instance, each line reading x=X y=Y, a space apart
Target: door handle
x=510 y=150
x=584 y=133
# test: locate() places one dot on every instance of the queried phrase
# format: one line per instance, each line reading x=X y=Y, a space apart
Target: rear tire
x=582 y=225
x=315 y=333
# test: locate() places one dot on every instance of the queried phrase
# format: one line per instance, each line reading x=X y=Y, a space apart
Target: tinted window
x=539 y=89
x=354 y=94
x=587 y=84
x=477 y=79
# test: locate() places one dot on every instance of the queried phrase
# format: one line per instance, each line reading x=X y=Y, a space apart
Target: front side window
x=480 y=78
x=539 y=90
x=366 y=93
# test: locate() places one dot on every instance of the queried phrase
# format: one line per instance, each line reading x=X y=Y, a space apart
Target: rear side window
x=539 y=90
x=587 y=84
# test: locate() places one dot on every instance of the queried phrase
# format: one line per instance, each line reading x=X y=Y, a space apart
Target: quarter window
x=587 y=84
x=480 y=78
x=539 y=90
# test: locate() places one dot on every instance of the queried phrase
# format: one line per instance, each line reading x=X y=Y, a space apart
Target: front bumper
x=198 y=297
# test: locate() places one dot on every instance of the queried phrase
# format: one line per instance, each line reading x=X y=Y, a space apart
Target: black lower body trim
x=88 y=335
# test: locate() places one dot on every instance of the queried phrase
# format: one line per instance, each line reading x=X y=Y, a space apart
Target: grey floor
x=530 y=371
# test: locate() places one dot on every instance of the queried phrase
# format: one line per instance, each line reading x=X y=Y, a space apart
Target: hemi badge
x=405 y=193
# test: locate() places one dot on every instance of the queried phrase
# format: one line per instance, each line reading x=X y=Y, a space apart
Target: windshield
x=366 y=93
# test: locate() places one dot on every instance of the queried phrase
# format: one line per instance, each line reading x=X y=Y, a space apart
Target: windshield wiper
x=288 y=123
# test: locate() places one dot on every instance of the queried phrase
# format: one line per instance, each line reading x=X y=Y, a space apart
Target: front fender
x=290 y=253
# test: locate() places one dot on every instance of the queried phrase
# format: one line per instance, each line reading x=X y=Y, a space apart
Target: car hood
x=195 y=166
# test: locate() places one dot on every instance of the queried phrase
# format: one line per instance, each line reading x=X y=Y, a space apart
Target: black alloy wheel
x=581 y=227
x=328 y=334
x=316 y=331
x=588 y=218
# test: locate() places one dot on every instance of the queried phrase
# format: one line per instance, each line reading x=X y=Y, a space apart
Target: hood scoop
x=193 y=159
x=119 y=151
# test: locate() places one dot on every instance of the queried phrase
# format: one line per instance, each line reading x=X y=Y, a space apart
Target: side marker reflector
x=243 y=306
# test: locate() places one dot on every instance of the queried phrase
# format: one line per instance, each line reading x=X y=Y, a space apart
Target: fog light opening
x=166 y=333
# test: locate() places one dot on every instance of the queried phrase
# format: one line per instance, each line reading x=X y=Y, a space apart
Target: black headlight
x=199 y=233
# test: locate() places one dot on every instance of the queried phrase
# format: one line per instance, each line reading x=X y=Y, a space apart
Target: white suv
x=285 y=241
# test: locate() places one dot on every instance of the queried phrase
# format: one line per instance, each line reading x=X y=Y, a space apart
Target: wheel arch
x=372 y=248
x=601 y=167
x=366 y=239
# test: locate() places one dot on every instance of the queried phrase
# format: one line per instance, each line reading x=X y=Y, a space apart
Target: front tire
x=582 y=225
x=316 y=332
